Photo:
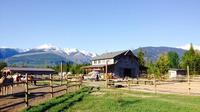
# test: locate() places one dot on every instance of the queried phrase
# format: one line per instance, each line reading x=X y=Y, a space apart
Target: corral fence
x=67 y=83
x=187 y=85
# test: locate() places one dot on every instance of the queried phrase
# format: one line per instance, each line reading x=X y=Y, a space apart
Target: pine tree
x=163 y=64
x=188 y=59
x=173 y=60
x=140 y=56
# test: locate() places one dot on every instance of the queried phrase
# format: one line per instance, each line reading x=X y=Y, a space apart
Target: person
x=97 y=77
x=35 y=82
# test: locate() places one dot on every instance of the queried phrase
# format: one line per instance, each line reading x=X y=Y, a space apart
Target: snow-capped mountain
x=45 y=54
x=71 y=50
x=47 y=47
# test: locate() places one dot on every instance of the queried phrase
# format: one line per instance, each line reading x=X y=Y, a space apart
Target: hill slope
x=152 y=53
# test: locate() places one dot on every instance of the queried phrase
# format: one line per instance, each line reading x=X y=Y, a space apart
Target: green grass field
x=118 y=100
x=126 y=101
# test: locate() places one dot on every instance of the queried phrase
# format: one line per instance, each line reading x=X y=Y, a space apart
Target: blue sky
x=99 y=25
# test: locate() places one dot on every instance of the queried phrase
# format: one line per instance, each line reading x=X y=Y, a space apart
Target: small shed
x=33 y=71
x=177 y=73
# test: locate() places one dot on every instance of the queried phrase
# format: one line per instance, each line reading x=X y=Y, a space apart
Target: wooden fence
x=72 y=81
x=128 y=82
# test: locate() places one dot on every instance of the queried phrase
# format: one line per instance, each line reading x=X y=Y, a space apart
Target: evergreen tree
x=173 y=60
x=163 y=64
x=140 y=56
x=188 y=59
x=152 y=70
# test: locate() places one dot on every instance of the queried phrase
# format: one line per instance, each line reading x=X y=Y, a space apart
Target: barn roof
x=109 y=55
x=29 y=70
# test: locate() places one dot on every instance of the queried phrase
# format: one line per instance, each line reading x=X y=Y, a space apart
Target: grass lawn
x=118 y=100
x=60 y=103
x=127 y=101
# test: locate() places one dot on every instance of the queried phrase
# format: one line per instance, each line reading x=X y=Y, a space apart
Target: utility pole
x=155 y=86
x=107 y=73
x=61 y=72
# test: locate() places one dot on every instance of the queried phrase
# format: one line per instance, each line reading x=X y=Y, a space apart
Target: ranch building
x=120 y=64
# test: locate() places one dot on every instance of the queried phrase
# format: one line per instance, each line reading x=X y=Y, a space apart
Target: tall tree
x=152 y=70
x=197 y=63
x=163 y=64
x=173 y=59
x=188 y=59
x=140 y=56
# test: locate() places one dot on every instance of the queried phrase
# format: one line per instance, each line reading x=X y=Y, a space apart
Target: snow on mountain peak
x=88 y=53
x=187 y=47
x=74 y=50
x=70 y=50
x=48 y=47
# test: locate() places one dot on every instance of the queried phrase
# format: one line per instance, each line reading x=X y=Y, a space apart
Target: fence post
x=137 y=79
x=155 y=86
x=188 y=74
x=81 y=81
x=26 y=91
x=51 y=85
x=61 y=73
x=66 y=89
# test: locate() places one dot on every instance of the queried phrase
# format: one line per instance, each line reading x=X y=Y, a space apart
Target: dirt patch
x=15 y=102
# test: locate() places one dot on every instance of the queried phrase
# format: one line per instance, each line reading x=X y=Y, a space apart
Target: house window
x=95 y=62
x=102 y=61
x=99 y=61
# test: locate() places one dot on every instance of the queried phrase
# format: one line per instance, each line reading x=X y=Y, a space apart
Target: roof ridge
x=110 y=55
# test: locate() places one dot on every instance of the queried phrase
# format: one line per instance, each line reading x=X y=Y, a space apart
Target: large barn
x=120 y=64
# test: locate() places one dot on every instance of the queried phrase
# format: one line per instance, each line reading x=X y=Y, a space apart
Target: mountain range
x=52 y=55
x=44 y=55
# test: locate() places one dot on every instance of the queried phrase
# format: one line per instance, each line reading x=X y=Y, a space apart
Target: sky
x=99 y=25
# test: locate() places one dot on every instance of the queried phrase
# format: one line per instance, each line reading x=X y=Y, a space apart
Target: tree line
x=67 y=67
x=171 y=59
x=73 y=68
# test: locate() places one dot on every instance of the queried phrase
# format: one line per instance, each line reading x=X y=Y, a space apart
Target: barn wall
x=126 y=62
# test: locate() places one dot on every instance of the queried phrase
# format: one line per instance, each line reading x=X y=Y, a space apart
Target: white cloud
x=187 y=47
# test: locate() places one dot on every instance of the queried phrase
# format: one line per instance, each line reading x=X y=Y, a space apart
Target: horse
x=6 y=82
x=30 y=79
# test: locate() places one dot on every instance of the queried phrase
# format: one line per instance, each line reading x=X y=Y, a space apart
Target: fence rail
x=69 y=83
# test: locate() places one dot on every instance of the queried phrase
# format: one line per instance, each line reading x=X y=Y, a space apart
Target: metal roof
x=30 y=70
x=95 y=66
x=109 y=55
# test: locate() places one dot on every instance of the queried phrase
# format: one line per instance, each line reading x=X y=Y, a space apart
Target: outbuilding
x=177 y=73
x=120 y=64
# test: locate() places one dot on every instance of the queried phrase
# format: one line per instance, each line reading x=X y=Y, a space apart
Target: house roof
x=175 y=69
x=29 y=70
x=95 y=66
x=109 y=55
